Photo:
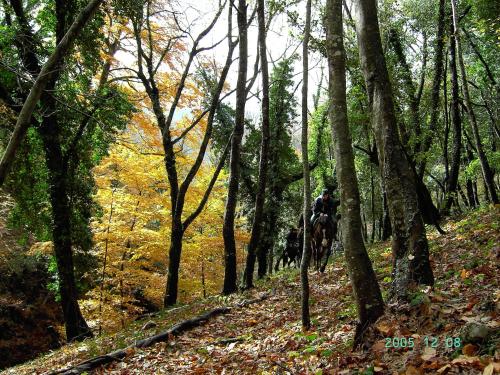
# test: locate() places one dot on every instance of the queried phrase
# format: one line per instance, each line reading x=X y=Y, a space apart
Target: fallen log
x=175 y=330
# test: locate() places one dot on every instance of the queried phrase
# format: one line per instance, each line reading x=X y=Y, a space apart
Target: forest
x=249 y=186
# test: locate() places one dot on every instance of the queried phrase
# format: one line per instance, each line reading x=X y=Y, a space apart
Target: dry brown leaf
x=436 y=298
x=412 y=370
x=464 y=274
x=465 y=360
x=469 y=350
x=404 y=331
x=428 y=354
x=385 y=328
x=431 y=365
x=488 y=370
x=444 y=369
x=379 y=346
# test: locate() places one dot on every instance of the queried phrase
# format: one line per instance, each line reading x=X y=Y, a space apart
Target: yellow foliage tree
x=130 y=234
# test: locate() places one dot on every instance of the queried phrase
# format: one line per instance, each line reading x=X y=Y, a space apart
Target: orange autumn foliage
x=134 y=229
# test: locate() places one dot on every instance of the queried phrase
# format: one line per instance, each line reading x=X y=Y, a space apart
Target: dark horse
x=324 y=231
x=293 y=249
x=330 y=224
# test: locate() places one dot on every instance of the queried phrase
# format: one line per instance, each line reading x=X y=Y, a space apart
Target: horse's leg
x=313 y=254
x=328 y=252
x=277 y=266
x=324 y=243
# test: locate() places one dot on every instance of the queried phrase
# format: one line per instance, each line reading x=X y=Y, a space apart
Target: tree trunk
x=49 y=130
x=452 y=181
x=446 y=119
x=306 y=251
x=470 y=193
x=147 y=74
x=363 y=279
x=436 y=83
x=24 y=118
x=409 y=244
x=476 y=195
x=469 y=182
x=174 y=261
x=411 y=92
x=265 y=254
x=463 y=196
x=263 y=251
x=76 y=327
x=270 y=259
x=386 y=220
x=230 y=277
x=105 y=261
x=264 y=151
x=51 y=133
x=485 y=166
x=372 y=204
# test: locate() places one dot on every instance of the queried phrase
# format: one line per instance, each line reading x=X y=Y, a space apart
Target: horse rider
x=325 y=204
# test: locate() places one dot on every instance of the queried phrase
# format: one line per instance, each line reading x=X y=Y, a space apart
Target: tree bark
x=409 y=244
x=446 y=135
x=483 y=160
x=230 y=278
x=24 y=118
x=452 y=181
x=264 y=151
x=306 y=251
x=372 y=205
x=59 y=193
x=410 y=89
x=469 y=183
x=269 y=237
x=75 y=324
x=363 y=279
x=386 y=220
x=436 y=83
x=174 y=260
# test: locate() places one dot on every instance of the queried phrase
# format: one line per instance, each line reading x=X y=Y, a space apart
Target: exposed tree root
x=177 y=329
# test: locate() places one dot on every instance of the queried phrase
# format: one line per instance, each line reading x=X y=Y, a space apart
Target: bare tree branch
x=204 y=200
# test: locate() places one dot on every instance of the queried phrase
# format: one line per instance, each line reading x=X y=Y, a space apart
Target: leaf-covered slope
x=266 y=337
x=28 y=312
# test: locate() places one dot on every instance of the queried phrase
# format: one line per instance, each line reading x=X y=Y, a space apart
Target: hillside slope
x=452 y=329
x=28 y=312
